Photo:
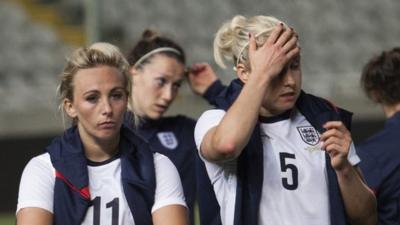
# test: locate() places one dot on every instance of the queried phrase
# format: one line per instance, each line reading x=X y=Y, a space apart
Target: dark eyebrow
x=95 y=91
x=117 y=89
x=91 y=92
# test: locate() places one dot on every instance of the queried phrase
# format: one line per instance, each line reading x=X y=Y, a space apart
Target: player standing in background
x=380 y=154
x=158 y=71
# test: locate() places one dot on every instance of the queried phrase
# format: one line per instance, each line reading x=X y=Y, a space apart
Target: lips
x=288 y=96
x=107 y=125
x=161 y=108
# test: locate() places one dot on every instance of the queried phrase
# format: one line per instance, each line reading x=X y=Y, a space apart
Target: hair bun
x=150 y=35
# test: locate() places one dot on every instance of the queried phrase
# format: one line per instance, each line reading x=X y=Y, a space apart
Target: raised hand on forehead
x=271 y=58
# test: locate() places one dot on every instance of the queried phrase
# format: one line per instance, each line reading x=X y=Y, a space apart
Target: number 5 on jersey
x=288 y=167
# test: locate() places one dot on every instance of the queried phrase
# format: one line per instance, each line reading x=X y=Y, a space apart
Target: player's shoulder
x=162 y=164
x=383 y=143
x=177 y=122
x=210 y=116
x=322 y=102
x=178 y=118
x=42 y=160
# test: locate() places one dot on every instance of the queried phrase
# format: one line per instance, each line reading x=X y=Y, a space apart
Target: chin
x=108 y=135
x=154 y=116
x=285 y=107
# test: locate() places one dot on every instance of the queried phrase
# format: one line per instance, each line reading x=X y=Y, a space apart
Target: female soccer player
x=275 y=154
x=380 y=163
x=158 y=70
x=98 y=171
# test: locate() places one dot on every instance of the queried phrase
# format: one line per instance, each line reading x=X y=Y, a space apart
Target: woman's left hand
x=336 y=142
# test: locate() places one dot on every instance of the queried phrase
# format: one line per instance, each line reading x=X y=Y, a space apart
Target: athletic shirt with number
x=109 y=203
x=295 y=187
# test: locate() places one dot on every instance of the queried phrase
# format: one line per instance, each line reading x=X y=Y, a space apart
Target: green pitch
x=7 y=219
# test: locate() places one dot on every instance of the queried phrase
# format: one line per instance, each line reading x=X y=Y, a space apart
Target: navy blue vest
x=71 y=190
x=249 y=186
x=380 y=163
x=185 y=157
x=177 y=144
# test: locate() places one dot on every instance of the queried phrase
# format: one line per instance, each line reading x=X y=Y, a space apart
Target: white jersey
x=109 y=202
x=295 y=184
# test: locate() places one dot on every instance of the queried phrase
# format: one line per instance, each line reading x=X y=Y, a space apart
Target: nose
x=106 y=108
x=167 y=93
x=288 y=79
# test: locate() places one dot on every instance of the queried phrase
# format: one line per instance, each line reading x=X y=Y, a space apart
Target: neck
x=390 y=110
x=269 y=113
x=99 y=150
x=135 y=107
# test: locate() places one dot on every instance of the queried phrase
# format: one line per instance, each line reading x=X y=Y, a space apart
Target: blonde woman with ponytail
x=275 y=154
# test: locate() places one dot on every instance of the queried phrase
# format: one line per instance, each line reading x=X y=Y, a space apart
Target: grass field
x=7 y=219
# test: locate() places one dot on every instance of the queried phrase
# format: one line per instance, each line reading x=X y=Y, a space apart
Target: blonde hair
x=232 y=39
x=97 y=54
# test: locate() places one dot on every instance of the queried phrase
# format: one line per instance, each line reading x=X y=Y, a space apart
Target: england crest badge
x=168 y=139
x=309 y=135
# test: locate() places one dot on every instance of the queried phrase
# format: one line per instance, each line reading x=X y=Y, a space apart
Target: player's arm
x=34 y=216
x=169 y=200
x=35 y=197
x=170 y=215
x=359 y=200
x=227 y=140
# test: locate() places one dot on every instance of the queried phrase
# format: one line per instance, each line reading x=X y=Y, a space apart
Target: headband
x=154 y=51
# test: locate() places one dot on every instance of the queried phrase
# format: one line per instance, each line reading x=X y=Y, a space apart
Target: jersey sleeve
x=207 y=120
x=37 y=184
x=352 y=156
x=169 y=189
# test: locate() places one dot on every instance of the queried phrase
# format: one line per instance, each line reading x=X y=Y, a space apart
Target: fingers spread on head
x=290 y=44
x=284 y=37
x=252 y=43
x=276 y=32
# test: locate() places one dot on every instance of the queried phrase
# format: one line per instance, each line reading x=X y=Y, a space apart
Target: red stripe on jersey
x=84 y=192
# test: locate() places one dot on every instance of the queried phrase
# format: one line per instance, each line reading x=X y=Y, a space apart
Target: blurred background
x=337 y=39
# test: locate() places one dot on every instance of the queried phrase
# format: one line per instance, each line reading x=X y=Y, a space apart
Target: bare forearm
x=171 y=215
x=235 y=129
x=359 y=201
x=228 y=139
x=34 y=216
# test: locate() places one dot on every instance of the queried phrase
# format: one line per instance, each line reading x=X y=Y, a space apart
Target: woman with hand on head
x=274 y=154
x=158 y=70
x=98 y=171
